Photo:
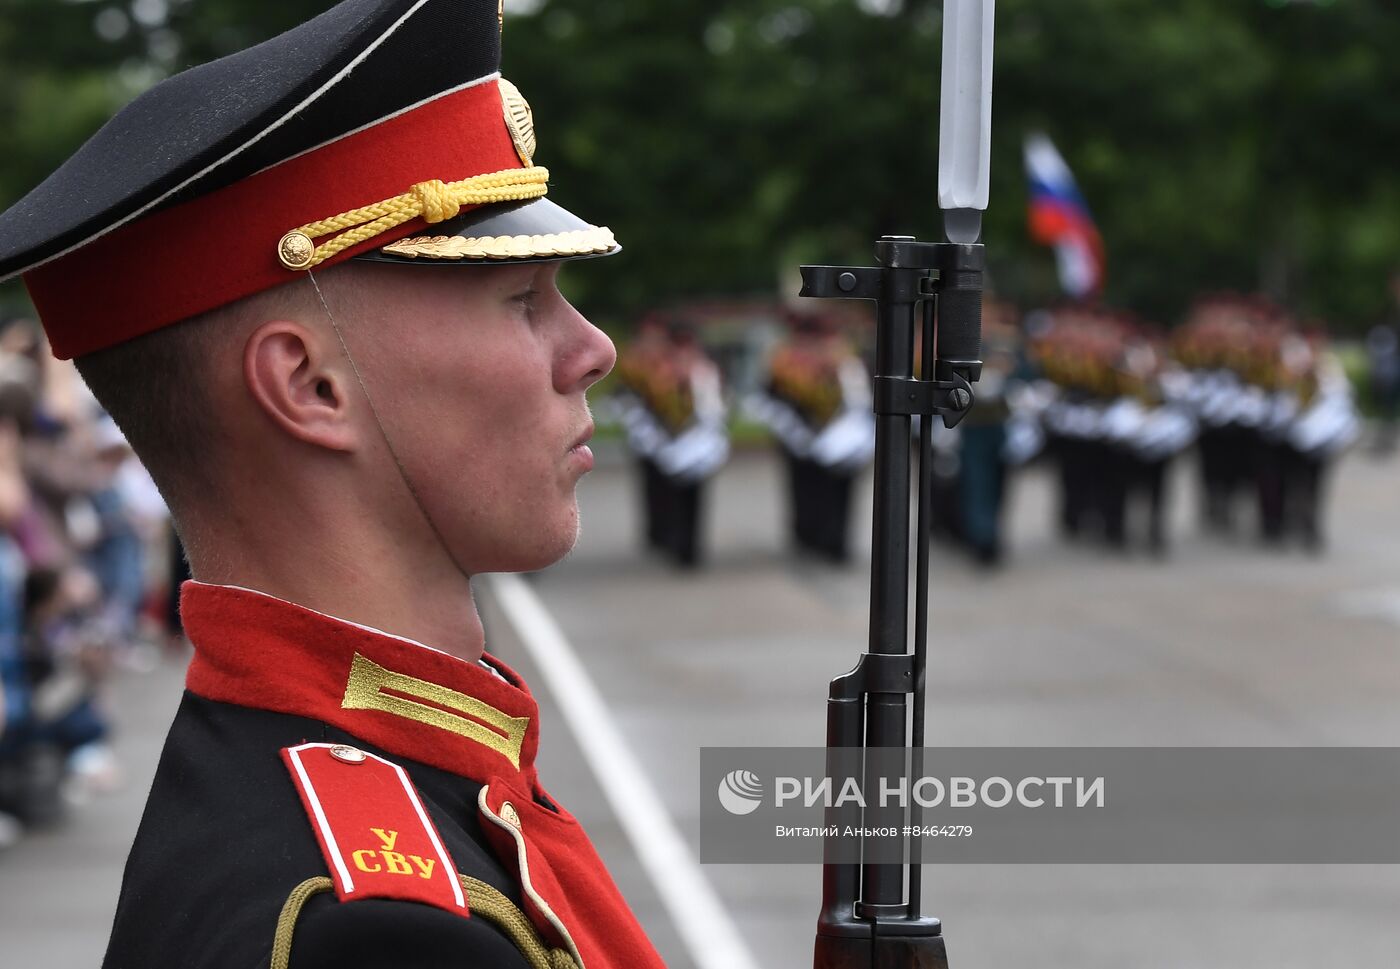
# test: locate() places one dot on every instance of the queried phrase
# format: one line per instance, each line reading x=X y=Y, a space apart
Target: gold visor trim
x=581 y=242
x=488 y=726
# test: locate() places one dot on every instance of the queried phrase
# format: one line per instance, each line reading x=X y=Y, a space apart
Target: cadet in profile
x=315 y=284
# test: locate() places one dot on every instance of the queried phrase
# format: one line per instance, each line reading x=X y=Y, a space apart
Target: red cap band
x=217 y=248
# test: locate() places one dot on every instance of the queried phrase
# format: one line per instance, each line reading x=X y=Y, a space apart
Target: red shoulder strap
x=377 y=839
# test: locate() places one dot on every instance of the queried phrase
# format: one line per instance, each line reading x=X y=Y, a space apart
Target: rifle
x=870 y=915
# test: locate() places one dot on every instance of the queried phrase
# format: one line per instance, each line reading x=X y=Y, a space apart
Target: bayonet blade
x=965 y=118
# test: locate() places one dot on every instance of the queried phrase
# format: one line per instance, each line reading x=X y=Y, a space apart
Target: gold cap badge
x=519 y=120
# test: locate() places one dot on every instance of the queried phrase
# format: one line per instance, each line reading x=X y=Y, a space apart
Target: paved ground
x=1219 y=645
x=1222 y=644
x=58 y=888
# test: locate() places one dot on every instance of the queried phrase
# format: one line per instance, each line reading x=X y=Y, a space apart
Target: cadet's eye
x=526 y=299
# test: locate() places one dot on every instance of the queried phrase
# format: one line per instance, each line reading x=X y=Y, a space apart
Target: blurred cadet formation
x=1106 y=399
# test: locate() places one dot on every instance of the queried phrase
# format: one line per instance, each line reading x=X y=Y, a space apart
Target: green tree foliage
x=1220 y=145
x=68 y=65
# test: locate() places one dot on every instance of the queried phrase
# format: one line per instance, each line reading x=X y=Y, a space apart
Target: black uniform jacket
x=229 y=834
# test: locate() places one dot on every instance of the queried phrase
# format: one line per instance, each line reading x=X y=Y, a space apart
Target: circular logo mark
x=741 y=792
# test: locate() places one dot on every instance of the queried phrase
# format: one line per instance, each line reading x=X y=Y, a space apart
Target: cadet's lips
x=583 y=438
x=581 y=451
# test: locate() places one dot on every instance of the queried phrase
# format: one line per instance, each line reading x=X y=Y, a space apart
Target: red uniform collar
x=411 y=700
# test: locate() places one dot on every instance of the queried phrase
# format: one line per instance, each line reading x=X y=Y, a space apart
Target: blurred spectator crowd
x=85 y=556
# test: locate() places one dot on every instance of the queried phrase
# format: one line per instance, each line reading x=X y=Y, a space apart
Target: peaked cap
x=380 y=129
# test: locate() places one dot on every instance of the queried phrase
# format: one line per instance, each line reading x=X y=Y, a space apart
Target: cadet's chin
x=542 y=548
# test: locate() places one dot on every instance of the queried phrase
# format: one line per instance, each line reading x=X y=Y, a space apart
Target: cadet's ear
x=298 y=383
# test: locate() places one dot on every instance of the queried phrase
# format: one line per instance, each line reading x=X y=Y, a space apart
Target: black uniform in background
x=669 y=401
x=816 y=402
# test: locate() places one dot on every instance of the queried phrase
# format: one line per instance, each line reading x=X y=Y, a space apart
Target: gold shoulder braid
x=291 y=910
x=482 y=899
x=485 y=900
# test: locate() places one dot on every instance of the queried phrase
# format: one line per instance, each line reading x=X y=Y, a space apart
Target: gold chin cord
x=433 y=201
x=384 y=433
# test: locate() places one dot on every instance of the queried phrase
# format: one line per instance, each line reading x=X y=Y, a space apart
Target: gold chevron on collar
x=475 y=720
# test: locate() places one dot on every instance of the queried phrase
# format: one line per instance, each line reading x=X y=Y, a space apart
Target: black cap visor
x=534 y=231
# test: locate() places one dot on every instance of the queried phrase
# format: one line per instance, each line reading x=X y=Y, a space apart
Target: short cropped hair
x=156 y=389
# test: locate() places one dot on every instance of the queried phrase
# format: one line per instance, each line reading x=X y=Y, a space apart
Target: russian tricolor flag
x=1059 y=218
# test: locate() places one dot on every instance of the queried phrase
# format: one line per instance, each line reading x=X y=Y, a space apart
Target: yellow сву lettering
x=396 y=862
